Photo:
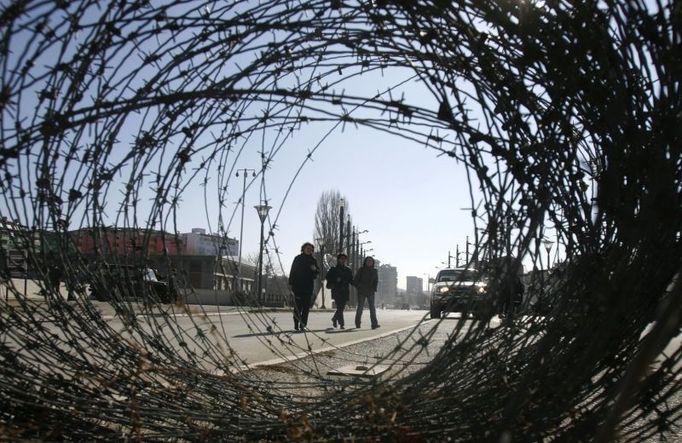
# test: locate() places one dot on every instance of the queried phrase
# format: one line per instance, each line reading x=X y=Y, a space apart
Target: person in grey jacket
x=339 y=278
x=366 y=281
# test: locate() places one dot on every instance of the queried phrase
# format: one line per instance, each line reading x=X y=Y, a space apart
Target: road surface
x=268 y=337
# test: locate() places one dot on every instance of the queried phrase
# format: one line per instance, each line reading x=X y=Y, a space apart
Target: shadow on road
x=291 y=331
x=340 y=331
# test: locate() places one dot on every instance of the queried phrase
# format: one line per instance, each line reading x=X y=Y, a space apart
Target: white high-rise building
x=388 y=285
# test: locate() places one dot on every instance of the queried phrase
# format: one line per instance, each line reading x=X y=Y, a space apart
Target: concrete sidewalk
x=27 y=291
x=37 y=302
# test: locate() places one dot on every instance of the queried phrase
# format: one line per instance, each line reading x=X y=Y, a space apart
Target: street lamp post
x=548 y=247
x=356 y=250
x=262 y=210
x=363 y=251
x=351 y=250
x=244 y=172
x=341 y=208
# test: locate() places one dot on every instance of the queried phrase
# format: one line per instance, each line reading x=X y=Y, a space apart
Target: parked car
x=129 y=282
x=459 y=290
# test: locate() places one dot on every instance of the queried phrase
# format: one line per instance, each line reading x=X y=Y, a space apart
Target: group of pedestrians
x=304 y=271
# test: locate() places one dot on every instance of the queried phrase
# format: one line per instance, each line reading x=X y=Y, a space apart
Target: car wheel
x=435 y=312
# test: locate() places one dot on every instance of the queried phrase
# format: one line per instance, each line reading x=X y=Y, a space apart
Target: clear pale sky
x=411 y=201
x=407 y=197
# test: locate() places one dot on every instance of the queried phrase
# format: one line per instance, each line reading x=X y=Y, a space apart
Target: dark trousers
x=338 y=315
x=511 y=305
x=372 y=309
x=301 y=310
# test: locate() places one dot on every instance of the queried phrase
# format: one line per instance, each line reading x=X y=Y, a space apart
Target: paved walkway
x=30 y=291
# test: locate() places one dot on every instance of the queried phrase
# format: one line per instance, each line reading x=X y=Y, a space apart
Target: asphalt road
x=266 y=341
x=268 y=337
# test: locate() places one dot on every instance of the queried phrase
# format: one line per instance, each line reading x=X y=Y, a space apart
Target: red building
x=125 y=242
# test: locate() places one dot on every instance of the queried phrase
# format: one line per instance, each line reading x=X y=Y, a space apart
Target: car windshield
x=457 y=275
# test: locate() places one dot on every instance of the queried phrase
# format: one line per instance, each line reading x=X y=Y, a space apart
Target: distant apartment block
x=388 y=284
x=415 y=285
x=414 y=294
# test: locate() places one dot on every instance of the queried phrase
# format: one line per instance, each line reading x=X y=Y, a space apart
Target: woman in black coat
x=366 y=281
x=302 y=276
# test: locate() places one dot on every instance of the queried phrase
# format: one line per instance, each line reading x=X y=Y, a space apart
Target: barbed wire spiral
x=565 y=114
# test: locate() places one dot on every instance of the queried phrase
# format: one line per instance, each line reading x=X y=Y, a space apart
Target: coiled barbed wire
x=564 y=113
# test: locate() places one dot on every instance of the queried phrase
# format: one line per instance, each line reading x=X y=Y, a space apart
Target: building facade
x=198 y=242
x=388 y=285
x=125 y=242
x=195 y=261
x=25 y=252
x=414 y=293
x=16 y=242
x=415 y=285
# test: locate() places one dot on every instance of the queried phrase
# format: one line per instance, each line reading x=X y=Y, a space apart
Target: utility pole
x=356 y=266
x=467 y=252
x=457 y=256
x=357 y=259
x=340 y=248
x=320 y=242
x=244 y=172
x=347 y=236
x=321 y=272
x=351 y=250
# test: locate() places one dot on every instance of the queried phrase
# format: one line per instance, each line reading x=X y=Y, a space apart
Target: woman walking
x=338 y=279
x=304 y=269
x=366 y=280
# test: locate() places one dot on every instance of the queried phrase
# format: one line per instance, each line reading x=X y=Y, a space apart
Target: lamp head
x=262 y=211
x=548 y=244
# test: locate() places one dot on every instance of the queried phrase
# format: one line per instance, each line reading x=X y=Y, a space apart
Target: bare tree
x=251 y=259
x=326 y=234
x=327 y=220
